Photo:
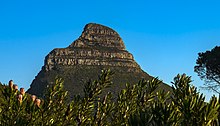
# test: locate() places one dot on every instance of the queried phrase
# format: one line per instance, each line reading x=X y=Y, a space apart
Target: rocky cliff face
x=99 y=47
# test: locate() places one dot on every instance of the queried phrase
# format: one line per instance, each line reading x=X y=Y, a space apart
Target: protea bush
x=138 y=104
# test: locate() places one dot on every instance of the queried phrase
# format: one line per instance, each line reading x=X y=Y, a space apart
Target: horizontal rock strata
x=99 y=47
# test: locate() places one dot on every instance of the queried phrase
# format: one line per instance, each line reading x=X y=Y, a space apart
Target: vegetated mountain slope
x=99 y=47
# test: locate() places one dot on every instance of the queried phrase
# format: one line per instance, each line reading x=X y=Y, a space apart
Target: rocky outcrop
x=89 y=56
x=99 y=47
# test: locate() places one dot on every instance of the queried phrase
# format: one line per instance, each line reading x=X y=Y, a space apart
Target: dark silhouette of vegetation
x=208 y=68
x=136 y=105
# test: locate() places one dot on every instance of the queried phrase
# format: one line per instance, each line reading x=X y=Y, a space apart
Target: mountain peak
x=98 y=47
x=99 y=36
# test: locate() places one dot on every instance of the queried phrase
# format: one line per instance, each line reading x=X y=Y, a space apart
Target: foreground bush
x=139 y=105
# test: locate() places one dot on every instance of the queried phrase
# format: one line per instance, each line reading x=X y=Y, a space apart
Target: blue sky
x=164 y=36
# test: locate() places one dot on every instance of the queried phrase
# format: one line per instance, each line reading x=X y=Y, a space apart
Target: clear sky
x=165 y=37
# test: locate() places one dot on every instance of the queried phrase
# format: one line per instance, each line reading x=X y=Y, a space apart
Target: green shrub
x=138 y=105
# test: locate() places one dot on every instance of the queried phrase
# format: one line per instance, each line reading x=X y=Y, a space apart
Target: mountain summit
x=99 y=47
x=99 y=35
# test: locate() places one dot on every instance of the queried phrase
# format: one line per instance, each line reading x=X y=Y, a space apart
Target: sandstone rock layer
x=99 y=47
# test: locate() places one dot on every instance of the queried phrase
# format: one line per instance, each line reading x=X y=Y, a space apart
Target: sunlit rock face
x=100 y=36
x=99 y=47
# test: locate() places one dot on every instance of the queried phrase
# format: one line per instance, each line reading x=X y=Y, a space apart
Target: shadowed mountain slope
x=99 y=47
